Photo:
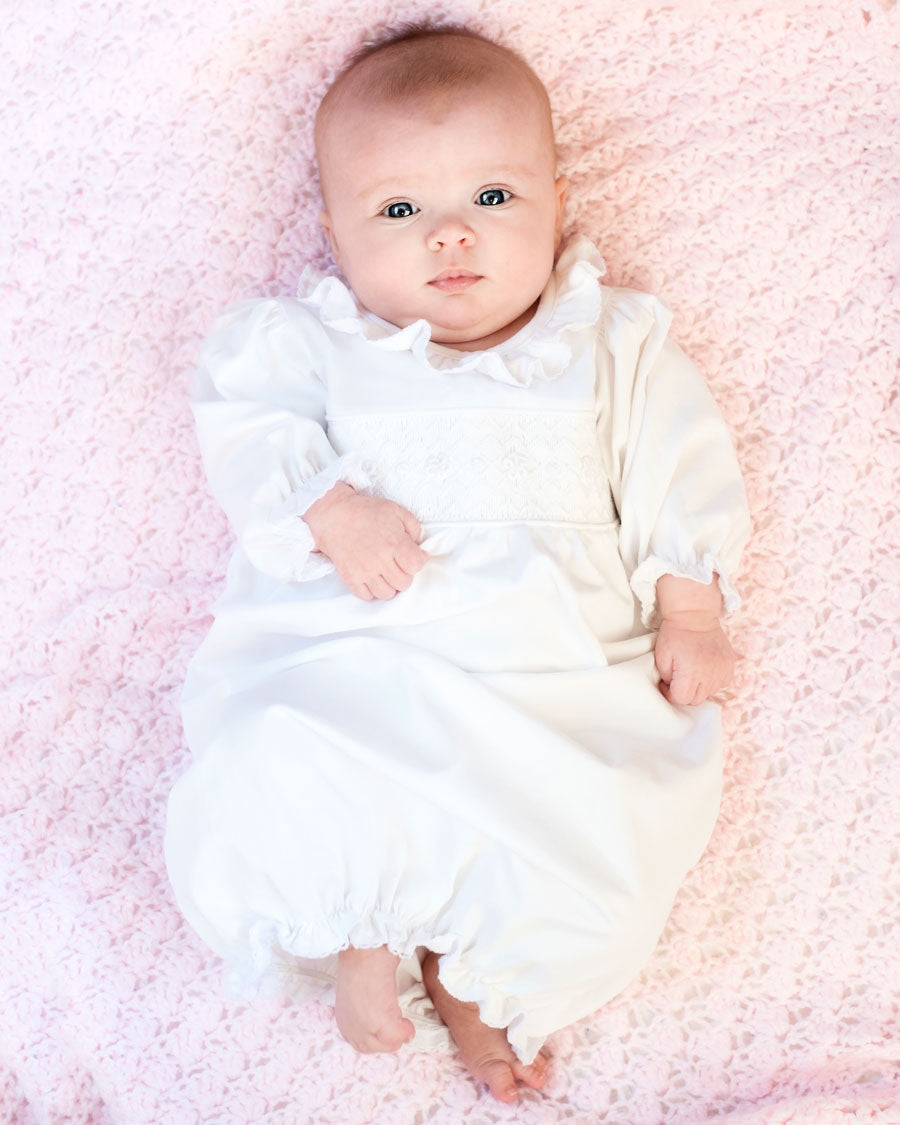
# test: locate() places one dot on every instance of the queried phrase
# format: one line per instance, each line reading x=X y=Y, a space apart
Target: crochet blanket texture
x=742 y=161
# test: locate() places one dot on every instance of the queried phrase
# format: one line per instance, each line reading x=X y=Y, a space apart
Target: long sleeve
x=672 y=466
x=259 y=405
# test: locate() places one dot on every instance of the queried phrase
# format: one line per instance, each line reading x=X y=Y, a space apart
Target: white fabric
x=483 y=765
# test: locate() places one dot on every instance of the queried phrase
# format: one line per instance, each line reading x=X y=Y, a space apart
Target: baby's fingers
x=663 y=658
x=398 y=578
x=410 y=524
x=681 y=681
x=380 y=588
x=409 y=556
x=689 y=691
x=365 y=582
x=681 y=691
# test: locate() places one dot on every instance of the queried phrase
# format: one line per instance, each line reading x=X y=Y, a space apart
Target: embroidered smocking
x=473 y=466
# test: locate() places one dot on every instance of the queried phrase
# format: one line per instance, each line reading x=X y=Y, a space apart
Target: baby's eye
x=401 y=210
x=493 y=197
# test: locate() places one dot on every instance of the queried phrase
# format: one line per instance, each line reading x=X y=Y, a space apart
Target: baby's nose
x=450 y=230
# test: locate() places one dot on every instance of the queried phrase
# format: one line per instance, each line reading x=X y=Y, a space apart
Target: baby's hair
x=420 y=60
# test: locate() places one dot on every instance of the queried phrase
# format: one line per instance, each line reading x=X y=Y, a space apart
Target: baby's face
x=445 y=211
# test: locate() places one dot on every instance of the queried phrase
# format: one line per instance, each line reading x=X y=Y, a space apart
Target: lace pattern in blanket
x=740 y=160
x=494 y=465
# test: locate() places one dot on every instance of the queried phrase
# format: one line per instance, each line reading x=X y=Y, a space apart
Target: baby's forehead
x=429 y=75
x=409 y=135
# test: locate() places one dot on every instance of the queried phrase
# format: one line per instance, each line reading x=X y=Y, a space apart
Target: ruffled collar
x=540 y=350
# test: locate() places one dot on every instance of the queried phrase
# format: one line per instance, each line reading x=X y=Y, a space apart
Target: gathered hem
x=261 y=972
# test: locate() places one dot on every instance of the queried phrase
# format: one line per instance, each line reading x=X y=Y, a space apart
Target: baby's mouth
x=454 y=280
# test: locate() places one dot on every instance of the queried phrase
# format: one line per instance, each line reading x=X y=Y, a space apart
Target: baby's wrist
x=335 y=494
x=320 y=508
x=690 y=604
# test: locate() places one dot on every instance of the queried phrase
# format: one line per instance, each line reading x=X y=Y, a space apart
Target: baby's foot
x=366 y=1009
x=485 y=1050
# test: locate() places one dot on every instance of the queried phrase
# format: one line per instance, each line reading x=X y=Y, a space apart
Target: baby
x=452 y=711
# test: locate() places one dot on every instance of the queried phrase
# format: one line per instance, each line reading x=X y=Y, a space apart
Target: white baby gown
x=482 y=766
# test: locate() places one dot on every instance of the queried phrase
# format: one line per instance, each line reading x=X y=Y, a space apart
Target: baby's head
x=438 y=170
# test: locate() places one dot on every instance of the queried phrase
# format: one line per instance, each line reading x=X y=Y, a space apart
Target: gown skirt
x=363 y=779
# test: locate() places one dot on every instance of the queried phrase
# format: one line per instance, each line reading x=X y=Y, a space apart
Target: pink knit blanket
x=740 y=159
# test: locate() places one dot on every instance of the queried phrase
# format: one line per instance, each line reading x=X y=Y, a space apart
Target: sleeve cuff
x=704 y=570
x=286 y=518
x=347 y=469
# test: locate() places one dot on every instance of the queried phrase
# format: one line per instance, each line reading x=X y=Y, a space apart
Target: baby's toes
x=532 y=1074
x=498 y=1076
x=391 y=1036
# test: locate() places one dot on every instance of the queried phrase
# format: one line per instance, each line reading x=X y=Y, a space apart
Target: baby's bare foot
x=366 y=1009
x=485 y=1050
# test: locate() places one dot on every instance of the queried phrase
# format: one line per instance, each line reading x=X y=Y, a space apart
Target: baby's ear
x=325 y=223
x=562 y=188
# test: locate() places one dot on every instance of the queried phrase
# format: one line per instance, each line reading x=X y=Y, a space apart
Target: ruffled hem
x=261 y=972
x=703 y=570
x=572 y=300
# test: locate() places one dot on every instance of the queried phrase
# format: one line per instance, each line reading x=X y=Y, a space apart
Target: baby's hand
x=693 y=656
x=694 y=662
x=373 y=543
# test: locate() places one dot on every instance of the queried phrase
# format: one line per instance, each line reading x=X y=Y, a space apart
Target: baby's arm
x=693 y=656
x=372 y=543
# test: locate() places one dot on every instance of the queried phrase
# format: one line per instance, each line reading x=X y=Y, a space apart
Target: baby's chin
x=465 y=331
x=485 y=334
x=467 y=341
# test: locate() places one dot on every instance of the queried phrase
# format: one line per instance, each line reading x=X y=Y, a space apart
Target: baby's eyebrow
x=403 y=184
x=501 y=171
x=383 y=187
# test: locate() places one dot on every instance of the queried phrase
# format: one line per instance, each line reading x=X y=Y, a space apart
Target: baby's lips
x=454 y=272
x=455 y=280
